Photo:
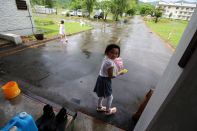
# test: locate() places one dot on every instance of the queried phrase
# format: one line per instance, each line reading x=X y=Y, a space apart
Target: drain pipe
x=30 y=18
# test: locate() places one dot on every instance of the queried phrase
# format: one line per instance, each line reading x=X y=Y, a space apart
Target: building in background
x=182 y=11
x=16 y=17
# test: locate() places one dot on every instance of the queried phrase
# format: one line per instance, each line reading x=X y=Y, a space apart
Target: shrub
x=67 y=14
x=131 y=12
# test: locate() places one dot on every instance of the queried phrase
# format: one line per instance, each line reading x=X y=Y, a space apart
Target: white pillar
x=162 y=97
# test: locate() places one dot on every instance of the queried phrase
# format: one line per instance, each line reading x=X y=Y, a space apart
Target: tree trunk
x=116 y=18
x=89 y=15
x=156 y=19
x=106 y=16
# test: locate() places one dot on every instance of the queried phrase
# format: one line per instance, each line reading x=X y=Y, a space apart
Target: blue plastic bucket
x=21 y=122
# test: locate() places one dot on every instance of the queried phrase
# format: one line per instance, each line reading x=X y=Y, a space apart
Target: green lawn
x=170 y=30
x=51 y=27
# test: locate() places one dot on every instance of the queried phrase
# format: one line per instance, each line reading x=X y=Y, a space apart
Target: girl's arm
x=110 y=72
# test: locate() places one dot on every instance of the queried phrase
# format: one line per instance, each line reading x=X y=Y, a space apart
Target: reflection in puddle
x=87 y=53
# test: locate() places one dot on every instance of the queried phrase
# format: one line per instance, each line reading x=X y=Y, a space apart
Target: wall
x=179 y=114
x=13 y=20
x=165 y=88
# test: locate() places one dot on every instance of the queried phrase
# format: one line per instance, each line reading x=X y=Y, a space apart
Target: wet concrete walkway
x=66 y=74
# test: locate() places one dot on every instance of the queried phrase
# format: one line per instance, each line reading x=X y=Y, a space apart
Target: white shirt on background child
x=62 y=30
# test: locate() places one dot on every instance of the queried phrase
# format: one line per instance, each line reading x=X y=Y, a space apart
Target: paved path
x=66 y=74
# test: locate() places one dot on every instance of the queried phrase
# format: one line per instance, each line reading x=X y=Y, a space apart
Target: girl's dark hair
x=62 y=21
x=110 y=47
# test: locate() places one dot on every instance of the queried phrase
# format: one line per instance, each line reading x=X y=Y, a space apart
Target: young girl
x=103 y=87
x=62 y=31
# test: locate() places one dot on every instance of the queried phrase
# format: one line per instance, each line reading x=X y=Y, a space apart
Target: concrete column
x=173 y=105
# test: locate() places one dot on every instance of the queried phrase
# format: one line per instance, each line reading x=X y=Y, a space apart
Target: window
x=21 y=4
x=177 y=8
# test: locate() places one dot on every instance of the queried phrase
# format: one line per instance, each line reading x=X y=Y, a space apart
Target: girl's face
x=113 y=54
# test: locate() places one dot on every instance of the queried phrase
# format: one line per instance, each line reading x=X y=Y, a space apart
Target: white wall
x=171 y=74
x=13 y=20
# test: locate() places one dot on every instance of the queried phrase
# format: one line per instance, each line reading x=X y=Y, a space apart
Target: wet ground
x=66 y=73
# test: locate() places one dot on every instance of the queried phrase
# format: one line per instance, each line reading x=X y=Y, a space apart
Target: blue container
x=21 y=122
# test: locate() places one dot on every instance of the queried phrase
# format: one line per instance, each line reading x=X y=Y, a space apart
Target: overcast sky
x=168 y=0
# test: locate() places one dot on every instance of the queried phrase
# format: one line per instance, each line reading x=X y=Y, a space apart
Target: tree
x=118 y=7
x=146 y=9
x=131 y=12
x=49 y=3
x=105 y=6
x=76 y=4
x=89 y=5
x=63 y=3
x=157 y=14
x=38 y=2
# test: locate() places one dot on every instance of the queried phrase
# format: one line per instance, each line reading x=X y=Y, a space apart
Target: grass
x=51 y=28
x=170 y=30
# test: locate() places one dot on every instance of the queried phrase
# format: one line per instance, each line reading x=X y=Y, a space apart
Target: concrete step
x=85 y=122
x=5 y=44
x=24 y=103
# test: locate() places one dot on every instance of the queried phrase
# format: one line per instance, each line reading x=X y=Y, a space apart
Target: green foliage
x=157 y=13
x=38 y=2
x=118 y=7
x=105 y=6
x=67 y=14
x=49 y=3
x=146 y=9
x=131 y=12
x=62 y=4
x=76 y=4
x=89 y=5
x=52 y=3
x=43 y=22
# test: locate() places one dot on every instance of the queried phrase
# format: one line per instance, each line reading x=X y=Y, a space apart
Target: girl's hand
x=121 y=73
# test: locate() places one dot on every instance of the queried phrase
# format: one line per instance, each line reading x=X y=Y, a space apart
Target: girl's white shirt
x=106 y=64
x=62 y=30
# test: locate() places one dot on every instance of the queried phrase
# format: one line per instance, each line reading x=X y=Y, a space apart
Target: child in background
x=62 y=31
x=103 y=87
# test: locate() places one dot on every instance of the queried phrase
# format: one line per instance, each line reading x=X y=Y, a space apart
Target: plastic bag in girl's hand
x=119 y=64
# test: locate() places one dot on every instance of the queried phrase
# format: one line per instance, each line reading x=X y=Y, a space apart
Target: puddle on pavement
x=76 y=101
x=87 y=53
